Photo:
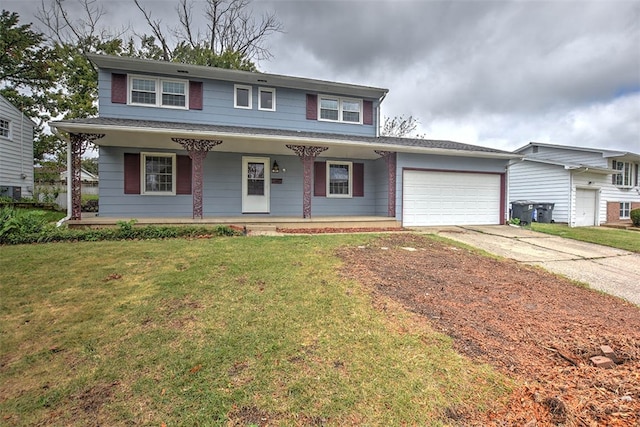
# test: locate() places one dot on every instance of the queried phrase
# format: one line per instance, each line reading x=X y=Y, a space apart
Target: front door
x=255 y=184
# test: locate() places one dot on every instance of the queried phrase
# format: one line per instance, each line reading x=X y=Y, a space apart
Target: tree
x=27 y=76
x=400 y=126
x=233 y=38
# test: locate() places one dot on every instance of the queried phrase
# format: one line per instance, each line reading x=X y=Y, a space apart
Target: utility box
x=544 y=212
x=523 y=210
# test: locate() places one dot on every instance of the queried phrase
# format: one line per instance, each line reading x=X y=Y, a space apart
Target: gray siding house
x=16 y=152
x=588 y=186
x=185 y=141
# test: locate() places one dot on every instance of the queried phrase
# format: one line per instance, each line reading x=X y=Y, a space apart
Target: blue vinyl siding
x=223 y=187
x=218 y=109
x=443 y=163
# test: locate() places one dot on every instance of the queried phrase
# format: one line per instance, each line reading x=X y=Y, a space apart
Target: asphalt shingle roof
x=320 y=136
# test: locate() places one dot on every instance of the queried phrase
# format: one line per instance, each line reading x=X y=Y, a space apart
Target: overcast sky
x=493 y=73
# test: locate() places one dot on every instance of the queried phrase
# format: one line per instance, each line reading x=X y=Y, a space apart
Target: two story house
x=185 y=141
x=16 y=152
x=588 y=186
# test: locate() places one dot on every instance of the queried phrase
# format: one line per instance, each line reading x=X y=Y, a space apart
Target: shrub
x=18 y=222
x=635 y=217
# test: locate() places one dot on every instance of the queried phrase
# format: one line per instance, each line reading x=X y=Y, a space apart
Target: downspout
x=69 y=148
x=379 y=113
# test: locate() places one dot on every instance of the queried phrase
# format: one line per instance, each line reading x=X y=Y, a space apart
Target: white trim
x=158 y=91
x=328 y=179
x=235 y=96
x=9 y=135
x=341 y=101
x=273 y=98
x=256 y=203
x=143 y=174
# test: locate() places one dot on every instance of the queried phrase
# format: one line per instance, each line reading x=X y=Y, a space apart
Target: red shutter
x=195 y=95
x=183 y=175
x=358 y=180
x=312 y=107
x=131 y=173
x=320 y=179
x=367 y=112
x=118 y=88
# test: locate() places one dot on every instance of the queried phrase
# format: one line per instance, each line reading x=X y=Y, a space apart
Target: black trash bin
x=523 y=210
x=544 y=212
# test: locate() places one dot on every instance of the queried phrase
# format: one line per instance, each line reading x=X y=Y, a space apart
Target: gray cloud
x=497 y=73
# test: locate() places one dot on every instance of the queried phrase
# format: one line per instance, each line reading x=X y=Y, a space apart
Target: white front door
x=585 y=208
x=255 y=185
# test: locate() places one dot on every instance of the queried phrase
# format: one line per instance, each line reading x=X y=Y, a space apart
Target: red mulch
x=533 y=326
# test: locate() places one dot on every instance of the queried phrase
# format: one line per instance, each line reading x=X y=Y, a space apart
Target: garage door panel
x=450 y=198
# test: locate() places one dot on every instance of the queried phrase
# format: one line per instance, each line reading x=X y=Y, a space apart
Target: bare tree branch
x=157 y=31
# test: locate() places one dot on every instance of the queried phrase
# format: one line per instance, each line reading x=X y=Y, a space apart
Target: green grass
x=616 y=238
x=190 y=332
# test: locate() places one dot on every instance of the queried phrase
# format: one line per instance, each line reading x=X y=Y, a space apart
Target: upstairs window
x=5 y=128
x=266 y=99
x=340 y=109
x=242 y=96
x=625 y=178
x=158 y=92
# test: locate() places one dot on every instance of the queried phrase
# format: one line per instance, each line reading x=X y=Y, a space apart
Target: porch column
x=390 y=160
x=197 y=150
x=307 y=154
x=79 y=144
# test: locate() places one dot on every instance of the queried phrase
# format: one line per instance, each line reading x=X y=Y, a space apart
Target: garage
x=450 y=198
x=585 y=207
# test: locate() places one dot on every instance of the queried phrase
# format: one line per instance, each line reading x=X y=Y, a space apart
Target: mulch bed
x=533 y=326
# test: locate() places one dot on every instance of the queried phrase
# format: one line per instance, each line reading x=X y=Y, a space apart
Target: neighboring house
x=85 y=176
x=180 y=141
x=16 y=151
x=588 y=186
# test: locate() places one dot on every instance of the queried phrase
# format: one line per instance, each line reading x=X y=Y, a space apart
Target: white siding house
x=588 y=186
x=16 y=151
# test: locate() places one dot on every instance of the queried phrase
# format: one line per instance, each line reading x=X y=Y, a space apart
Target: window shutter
x=195 y=95
x=637 y=167
x=131 y=173
x=613 y=176
x=320 y=179
x=118 y=88
x=358 y=180
x=183 y=175
x=312 y=107
x=367 y=112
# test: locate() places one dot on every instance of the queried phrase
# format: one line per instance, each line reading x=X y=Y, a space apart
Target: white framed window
x=242 y=96
x=339 y=179
x=5 y=128
x=337 y=109
x=266 y=99
x=158 y=92
x=625 y=178
x=158 y=175
x=625 y=210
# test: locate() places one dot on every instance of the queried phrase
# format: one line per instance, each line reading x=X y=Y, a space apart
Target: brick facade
x=613 y=211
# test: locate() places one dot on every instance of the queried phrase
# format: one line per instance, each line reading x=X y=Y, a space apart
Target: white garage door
x=585 y=208
x=450 y=198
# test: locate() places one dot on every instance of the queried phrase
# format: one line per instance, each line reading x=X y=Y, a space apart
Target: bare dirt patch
x=535 y=327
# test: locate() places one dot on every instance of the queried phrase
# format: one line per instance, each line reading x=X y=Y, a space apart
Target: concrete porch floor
x=253 y=223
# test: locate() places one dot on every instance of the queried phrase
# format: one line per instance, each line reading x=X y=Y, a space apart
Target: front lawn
x=621 y=239
x=223 y=331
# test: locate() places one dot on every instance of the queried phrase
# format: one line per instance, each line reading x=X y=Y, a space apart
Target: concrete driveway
x=610 y=270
